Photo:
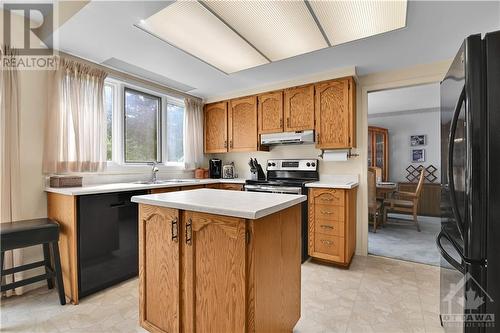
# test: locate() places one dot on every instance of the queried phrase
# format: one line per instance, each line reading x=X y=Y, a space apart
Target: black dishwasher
x=107 y=240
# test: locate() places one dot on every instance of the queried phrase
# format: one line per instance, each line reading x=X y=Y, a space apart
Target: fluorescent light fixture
x=191 y=27
x=278 y=29
x=345 y=21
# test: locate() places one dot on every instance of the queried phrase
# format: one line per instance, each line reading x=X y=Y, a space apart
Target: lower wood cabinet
x=163 y=190
x=232 y=187
x=209 y=273
x=332 y=224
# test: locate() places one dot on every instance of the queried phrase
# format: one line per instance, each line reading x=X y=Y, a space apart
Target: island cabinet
x=332 y=224
x=243 y=124
x=201 y=272
x=215 y=127
x=299 y=108
x=335 y=114
x=270 y=112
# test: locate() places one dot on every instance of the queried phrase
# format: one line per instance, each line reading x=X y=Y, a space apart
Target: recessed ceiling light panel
x=278 y=29
x=189 y=26
x=345 y=21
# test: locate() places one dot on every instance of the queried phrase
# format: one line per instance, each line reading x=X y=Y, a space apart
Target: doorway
x=404 y=164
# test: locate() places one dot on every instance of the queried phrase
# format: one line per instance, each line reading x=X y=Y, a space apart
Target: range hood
x=287 y=138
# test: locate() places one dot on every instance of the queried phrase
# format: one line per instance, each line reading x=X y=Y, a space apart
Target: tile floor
x=375 y=295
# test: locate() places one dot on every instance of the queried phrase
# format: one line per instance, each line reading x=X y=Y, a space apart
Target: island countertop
x=248 y=205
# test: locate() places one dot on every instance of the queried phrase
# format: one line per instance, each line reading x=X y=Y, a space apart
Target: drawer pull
x=326 y=226
x=175 y=230
x=327 y=199
x=326 y=212
x=327 y=242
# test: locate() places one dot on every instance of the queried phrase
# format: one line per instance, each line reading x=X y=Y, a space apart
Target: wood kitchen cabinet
x=378 y=150
x=202 y=272
x=243 y=124
x=332 y=224
x=299 y=108
x=159 y=266
x=335 y=114
x=270 y=112
x=215 y=127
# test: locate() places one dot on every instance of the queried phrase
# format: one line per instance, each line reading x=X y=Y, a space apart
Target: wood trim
x=62 y=209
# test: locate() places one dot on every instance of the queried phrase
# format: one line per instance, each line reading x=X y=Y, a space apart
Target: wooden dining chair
x=374 y=205
x=405 y=202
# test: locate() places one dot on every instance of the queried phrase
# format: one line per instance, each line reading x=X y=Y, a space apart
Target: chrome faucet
x=154 y=171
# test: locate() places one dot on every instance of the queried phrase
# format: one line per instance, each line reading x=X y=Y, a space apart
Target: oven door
x=273 y=189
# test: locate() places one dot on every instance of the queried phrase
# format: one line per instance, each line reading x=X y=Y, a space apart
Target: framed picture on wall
x=418 y=155
x=418 y=140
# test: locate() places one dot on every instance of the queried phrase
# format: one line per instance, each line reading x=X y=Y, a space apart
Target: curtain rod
x=130 y=77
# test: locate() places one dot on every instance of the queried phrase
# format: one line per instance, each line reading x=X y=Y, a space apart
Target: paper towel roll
x=335 y=155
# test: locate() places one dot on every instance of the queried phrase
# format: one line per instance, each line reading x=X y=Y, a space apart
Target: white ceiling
x=105 y=29
x=404 y=99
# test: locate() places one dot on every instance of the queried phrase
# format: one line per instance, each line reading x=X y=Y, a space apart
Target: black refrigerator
x=469 y=240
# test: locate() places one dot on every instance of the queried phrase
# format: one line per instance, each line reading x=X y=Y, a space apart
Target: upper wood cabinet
x=335 y=114
x=215 y=127
x=270 y=112
x=299 y=108
x=243 y=124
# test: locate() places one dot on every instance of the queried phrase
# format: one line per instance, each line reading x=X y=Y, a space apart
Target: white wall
x=401 y=126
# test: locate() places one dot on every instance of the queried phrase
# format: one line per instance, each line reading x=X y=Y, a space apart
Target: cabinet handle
x=326 y=212
x=225 y=143
x=189 y=231
x=281 y=122
x=287 y=122
x=326 y=226
x=175 y=230
x=230 y=143
x=327 y=242
x=327 y=199
x=317 y=137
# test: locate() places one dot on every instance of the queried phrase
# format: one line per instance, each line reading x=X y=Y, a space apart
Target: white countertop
x=121 y=187
x=248 y=205
x=336 y=181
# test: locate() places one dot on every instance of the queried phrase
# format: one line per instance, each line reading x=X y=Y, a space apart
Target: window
x=175 y=133
x=108 y=109
x=142 y=127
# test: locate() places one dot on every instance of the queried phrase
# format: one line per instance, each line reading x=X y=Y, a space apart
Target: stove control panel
x=292 y=165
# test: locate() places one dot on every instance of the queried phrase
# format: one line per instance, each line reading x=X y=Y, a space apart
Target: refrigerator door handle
x=459 y=267
x=450 y=259
x=451 y=147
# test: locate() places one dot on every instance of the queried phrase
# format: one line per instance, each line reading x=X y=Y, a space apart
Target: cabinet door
x=299 y=108
x=243 y=124
x=333 y=115
x=215 y=126
x=159 y=269
x=232 y=187
x=215 y=287
x=271 y=112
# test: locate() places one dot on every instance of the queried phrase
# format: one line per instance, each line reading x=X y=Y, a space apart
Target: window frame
x=159 y=127
x=117 y=165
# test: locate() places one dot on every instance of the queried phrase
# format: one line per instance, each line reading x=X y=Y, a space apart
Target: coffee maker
x=215 y=168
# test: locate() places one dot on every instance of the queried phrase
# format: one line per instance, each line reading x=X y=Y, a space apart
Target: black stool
x=26 y=233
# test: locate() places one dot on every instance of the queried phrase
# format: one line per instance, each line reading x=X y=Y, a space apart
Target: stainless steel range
x=288 y=176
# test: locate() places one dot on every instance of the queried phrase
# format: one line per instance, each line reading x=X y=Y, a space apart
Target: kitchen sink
x=166 y=181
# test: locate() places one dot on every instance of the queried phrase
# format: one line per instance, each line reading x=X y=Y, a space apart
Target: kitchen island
x=219 y=261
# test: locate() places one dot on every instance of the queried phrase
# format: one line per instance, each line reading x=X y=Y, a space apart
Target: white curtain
x=76 y=123
x=10 y=196
x=193 y=133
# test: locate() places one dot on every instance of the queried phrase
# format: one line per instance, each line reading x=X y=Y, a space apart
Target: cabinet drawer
x=333 y=228
x=331 y=245
x=329 y=212
x=232 y=187
x=328 y=197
